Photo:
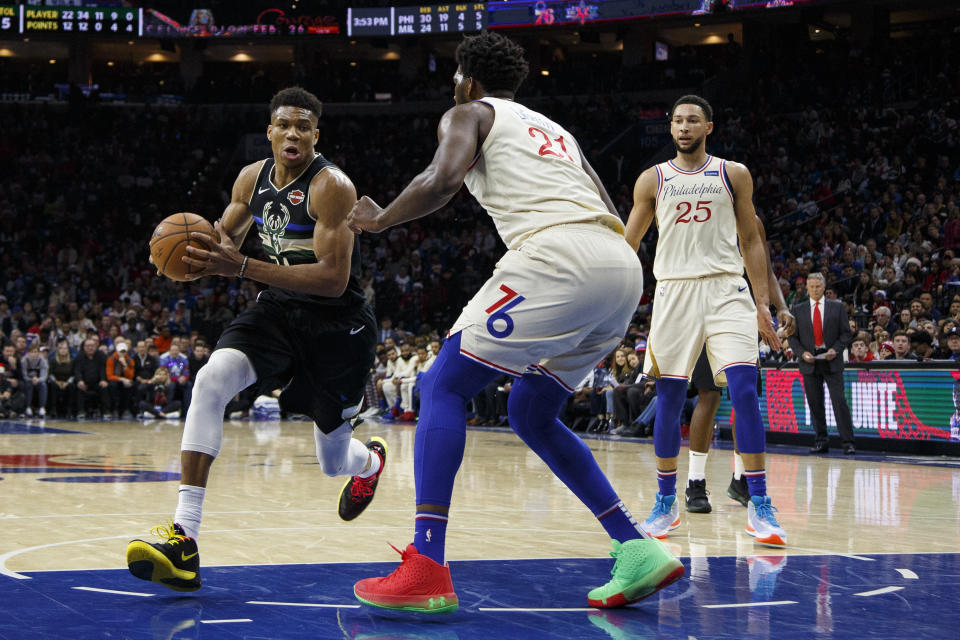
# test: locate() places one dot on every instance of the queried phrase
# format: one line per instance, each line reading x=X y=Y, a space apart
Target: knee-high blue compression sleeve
x=451 y=382
x=671 y=395
x=533 y=405
x=742 y=383
x=441 y=434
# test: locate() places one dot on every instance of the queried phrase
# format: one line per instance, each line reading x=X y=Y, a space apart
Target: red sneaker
x=418 y=584
x=408 y=415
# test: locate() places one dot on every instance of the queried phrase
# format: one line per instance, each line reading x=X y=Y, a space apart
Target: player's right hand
x=364 y=216
x=765 y=325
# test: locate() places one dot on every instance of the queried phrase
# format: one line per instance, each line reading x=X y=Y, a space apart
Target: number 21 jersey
x=696 y=222
x=529 y=176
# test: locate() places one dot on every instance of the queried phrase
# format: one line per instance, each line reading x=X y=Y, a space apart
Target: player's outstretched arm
x=753 y=249
x=644 y=207
x=459 y=134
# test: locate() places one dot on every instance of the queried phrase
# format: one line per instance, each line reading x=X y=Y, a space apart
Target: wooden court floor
x=74 y=493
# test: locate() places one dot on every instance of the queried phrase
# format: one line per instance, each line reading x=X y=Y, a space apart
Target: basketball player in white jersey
x=558 y=301
x=708 y=232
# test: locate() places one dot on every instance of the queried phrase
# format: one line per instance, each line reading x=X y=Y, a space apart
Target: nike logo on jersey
x=264 y=190
x=354 y=332
x=669 y=179
x=184 y=557
x=741 y=288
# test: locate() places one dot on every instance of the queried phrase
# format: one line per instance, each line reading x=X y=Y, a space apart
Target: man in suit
x=823 y=332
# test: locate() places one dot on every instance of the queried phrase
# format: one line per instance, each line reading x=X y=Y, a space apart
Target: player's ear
x=269 y=130
x=709 y=127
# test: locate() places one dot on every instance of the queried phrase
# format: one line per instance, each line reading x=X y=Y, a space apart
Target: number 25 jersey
x=696 y=222
x=529 y=176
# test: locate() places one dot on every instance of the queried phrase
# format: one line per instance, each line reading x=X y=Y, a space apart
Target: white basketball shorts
x=557 y=305
x=717 y=311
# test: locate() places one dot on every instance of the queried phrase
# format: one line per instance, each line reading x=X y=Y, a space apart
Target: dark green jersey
x=286 y=227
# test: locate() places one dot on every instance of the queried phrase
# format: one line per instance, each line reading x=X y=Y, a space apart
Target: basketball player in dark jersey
x=311 y=333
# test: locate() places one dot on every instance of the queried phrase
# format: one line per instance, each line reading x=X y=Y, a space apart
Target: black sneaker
x=697 y=501
x=174 y=563
x=738 y=490
x=357 y=492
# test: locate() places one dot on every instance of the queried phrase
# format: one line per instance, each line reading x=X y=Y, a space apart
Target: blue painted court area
x=782 y=597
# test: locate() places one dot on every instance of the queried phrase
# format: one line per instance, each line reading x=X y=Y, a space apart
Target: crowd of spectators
x=864 y=190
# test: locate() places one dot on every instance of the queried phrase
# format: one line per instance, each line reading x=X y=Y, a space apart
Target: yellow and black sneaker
x=357 y=493
x=174 y=563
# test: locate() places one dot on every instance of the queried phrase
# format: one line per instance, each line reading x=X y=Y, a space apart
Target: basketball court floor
x=874 y=542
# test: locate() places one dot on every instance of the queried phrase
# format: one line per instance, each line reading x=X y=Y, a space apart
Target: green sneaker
x=642 y=568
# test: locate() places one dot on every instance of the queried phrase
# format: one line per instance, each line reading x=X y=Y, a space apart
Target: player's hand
x=364 y=216
x=218 y=259
x=765 y=324
x=787 y=322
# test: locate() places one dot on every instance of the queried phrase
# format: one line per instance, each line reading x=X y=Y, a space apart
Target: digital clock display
x=417 y=20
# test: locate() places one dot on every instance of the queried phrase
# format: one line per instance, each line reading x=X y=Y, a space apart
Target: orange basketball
x=170 y=240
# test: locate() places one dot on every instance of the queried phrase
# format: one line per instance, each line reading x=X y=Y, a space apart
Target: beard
x=693 y=148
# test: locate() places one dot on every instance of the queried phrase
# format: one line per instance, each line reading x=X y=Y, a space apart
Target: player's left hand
x=365 y=216
x=765 y=324
x=218 y=259
x=787 y=322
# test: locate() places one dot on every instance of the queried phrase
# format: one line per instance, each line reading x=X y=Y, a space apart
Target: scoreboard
x=27 y=19
x=417 y=20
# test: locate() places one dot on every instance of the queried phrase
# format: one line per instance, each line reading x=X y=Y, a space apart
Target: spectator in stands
x=859 y=351
x=400 y=384
x=178 y=366
x=901 y=346
x=163 y=339
x=90 y=373
x=62 y=384
x=884 y=319
x=157 y=403
x=145 y=362
x=11 y=397
x=952 y=351
x=121 y=373
x=886 y=351
x=921 y=343
x=35 y=371
x=11 y=365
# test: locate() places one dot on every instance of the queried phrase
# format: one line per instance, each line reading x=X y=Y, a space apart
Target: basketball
x=170 y=240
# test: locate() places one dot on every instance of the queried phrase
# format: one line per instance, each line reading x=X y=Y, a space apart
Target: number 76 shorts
x=558 y=304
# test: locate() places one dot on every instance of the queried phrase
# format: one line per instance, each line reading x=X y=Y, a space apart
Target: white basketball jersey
x=696 y=222
x=529 y=175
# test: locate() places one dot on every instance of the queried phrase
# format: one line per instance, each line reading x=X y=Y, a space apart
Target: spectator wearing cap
x=121 y=368
x=951 y=348
x=823 y=332
x=886 y=351
x=35 y=371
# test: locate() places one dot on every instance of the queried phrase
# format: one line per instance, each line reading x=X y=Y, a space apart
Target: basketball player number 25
x=686 y=207
x=498 y=311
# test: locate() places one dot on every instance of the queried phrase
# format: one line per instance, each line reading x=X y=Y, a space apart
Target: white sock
x=698 y=466
x=375 y=464
x=737 y=466
x=189 y=509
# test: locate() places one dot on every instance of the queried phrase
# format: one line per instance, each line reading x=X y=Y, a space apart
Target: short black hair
x=493 y=60
x=296 y=97
x=694 y=100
